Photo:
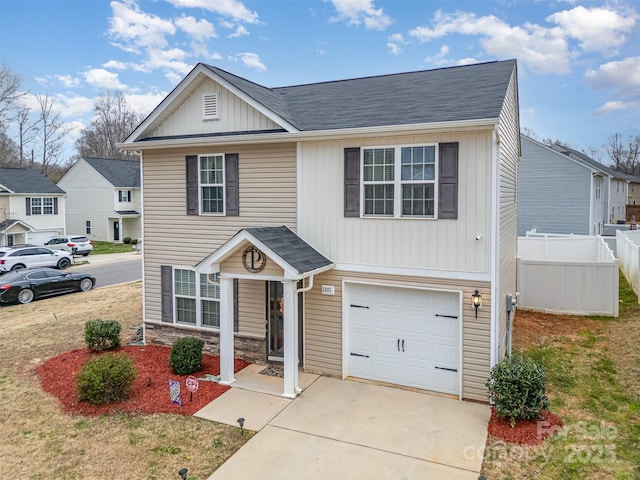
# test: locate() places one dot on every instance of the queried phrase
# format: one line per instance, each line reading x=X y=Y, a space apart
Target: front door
x=275 y=323
x=116 y=231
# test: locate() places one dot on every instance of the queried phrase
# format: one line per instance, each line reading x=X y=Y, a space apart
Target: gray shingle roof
x=460 y=93
x=22 y=180
x=290 y=247
x=120 y=173
x=570 y=152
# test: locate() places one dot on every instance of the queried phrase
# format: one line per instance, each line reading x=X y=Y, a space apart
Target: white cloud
x=395 y=43
x=145 y=103
x=543 y=50
x=114 y=65
x=440 y=58
x=131 y=28
x=199 y=30
x=468 y=61
x=613 y=106
x=228 y=8
x=68 y=81
x=240 y=32
x=101 y=78
x=252 y=60
x=356 y=12
x=623 y=77
x=596 y=29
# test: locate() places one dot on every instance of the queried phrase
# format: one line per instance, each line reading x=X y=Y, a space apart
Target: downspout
x=307 y=288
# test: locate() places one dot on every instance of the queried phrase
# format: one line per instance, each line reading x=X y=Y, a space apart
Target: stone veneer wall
x=248 y=348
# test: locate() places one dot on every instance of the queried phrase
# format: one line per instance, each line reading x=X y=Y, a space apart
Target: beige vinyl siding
x=323 y=325
x=267 y=186
x=235 y=115
x=419 y=243
x=251 y=308
x=509 y=156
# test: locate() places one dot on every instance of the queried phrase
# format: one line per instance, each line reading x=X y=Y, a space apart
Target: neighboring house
x=32 y=207
x=633 y=190
x=356 y=219
x=614 y=187
x=563 y=191
x=104 y=199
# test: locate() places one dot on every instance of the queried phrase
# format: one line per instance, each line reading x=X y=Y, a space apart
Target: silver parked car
x=15 y=258
x=74 y=244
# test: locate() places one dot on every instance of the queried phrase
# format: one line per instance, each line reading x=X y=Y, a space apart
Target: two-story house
x=564 y=191
x=32 y=207
x=104 y=199
x=356 y=228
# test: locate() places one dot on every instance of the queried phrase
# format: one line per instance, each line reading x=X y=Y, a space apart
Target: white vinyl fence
x=627 y=249
x=575 y=275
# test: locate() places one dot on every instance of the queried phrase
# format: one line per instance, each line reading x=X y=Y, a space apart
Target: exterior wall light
x=476 y=301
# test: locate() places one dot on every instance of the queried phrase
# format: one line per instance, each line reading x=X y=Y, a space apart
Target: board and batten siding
x=89 y=197
x=18 y=210
x=554 y=192
x=323 y=325
x=267 y=186
x=508 y=157
x=235 y=115
x=420 y=243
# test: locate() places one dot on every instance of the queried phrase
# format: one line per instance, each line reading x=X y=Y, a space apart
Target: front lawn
x=108 y=247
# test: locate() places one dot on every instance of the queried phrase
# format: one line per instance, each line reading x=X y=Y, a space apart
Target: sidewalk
x=107 y=258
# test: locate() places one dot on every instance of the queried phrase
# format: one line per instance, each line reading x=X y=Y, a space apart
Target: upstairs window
x=212 y=184
x=41 y=206
x=124 y=196
x=399 y=181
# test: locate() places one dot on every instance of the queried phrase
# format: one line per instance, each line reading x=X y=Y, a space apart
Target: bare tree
x=8 y=151
x=625 y=156
x=26 y=131
x=9 y=94
x=51 y=133
x=112 y=123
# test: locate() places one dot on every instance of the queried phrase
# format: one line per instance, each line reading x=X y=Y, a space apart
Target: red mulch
x=150 y=390
x=525 y=432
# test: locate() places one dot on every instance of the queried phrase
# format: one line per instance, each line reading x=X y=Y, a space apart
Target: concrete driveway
x=351 y=430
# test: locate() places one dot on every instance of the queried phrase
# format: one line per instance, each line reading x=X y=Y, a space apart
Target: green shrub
x=126 y=240
x=185 y=356
x=517 y=389
x=106 y=378
x=102 y=335
x=134 y=241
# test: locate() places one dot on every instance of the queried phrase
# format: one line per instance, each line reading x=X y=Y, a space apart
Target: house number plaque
x=253 y=259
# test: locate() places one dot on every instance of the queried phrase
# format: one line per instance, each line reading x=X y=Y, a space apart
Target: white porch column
x=226 y=331
x=291 y=388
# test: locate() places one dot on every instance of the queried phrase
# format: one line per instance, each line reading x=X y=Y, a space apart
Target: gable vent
x=210 y=106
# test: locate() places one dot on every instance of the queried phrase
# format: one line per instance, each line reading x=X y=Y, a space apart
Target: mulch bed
x=150 y=390
x=525 y=432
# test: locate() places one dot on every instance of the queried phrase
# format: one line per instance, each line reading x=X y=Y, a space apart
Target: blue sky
x=578 y=61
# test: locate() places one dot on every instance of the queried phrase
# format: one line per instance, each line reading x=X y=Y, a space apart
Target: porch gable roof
x=296 y=257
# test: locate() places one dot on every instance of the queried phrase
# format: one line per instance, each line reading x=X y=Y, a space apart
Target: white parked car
x=74 y=244
x=14 y=258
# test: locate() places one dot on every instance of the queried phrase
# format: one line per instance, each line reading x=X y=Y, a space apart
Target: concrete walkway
x=351 y=430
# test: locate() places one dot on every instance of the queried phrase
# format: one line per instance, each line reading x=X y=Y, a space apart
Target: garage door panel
x=427 y=323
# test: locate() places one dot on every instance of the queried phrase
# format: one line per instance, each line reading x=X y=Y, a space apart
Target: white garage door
x=404 y=336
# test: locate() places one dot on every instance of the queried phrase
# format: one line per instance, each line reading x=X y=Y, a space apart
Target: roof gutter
x=480 y=124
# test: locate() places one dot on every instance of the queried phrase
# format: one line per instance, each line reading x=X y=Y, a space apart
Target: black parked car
x=25 y=285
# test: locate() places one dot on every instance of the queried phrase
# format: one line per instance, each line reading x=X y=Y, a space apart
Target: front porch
x=270 y=255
